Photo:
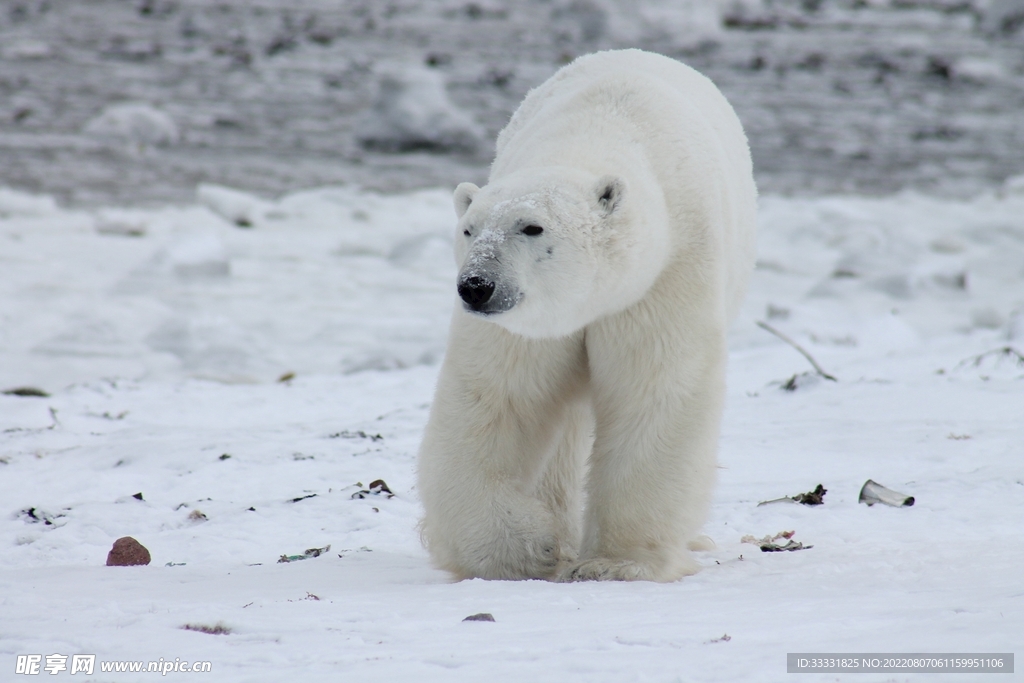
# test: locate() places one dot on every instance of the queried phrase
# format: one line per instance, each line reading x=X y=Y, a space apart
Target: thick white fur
x=573 y=436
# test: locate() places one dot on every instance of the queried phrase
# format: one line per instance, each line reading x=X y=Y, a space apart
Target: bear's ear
x=610 y=190
x=464 y=197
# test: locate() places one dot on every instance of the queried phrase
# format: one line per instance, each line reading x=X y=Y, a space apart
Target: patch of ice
x=412 y=111
x=681 y=22
x=238 y=208
x=979 y=70
x=421 y=252
x=199 y=255
x=209 y=346
x=1013 y=186
x=26 y=49
x=1003 y=16
x=136 y=123
x=15 y=203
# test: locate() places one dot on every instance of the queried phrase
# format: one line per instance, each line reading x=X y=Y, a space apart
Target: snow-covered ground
x=161 y=335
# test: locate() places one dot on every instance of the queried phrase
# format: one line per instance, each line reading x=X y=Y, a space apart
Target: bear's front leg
x=497 y=421
x=658 y=388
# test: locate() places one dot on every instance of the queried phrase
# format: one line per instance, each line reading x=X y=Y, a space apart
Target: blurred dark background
x=137 y=101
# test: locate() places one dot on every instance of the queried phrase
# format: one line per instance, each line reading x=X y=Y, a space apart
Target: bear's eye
x=466 y=233
x=532 y=230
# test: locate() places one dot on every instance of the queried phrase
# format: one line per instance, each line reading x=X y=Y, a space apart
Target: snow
x=161 y=334
x=412 y=111
x=682 y=22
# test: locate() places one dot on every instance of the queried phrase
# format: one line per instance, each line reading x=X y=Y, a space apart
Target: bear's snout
x=475 y=291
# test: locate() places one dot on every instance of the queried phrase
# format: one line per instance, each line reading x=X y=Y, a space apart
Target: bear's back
x=630 y=67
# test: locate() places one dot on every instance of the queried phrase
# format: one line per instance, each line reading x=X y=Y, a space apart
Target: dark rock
x=25 y=391
x=127 y=552
x=483 y=616
x=217 y=629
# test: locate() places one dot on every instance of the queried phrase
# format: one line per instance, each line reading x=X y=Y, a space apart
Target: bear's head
x=544 y=252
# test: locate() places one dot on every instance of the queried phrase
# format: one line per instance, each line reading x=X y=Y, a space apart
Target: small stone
x=217 y=629
x=26 y=391
x=127 y=552
x=483 y=616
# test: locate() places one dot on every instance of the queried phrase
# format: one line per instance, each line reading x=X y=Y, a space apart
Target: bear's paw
x=605 y=569
x=602 y=569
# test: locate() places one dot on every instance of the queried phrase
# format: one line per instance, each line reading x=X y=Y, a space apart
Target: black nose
x=475 y=291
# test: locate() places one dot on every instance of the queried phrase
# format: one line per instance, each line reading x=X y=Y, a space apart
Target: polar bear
x=574 y=429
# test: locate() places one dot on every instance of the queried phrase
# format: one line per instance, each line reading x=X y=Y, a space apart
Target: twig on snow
x=809 y=357
x=1007 y=352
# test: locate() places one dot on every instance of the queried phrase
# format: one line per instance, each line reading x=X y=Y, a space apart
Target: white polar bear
x=599 y=269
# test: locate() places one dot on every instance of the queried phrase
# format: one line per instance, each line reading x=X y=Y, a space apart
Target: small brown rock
x=483 y=616
x=127 y=552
